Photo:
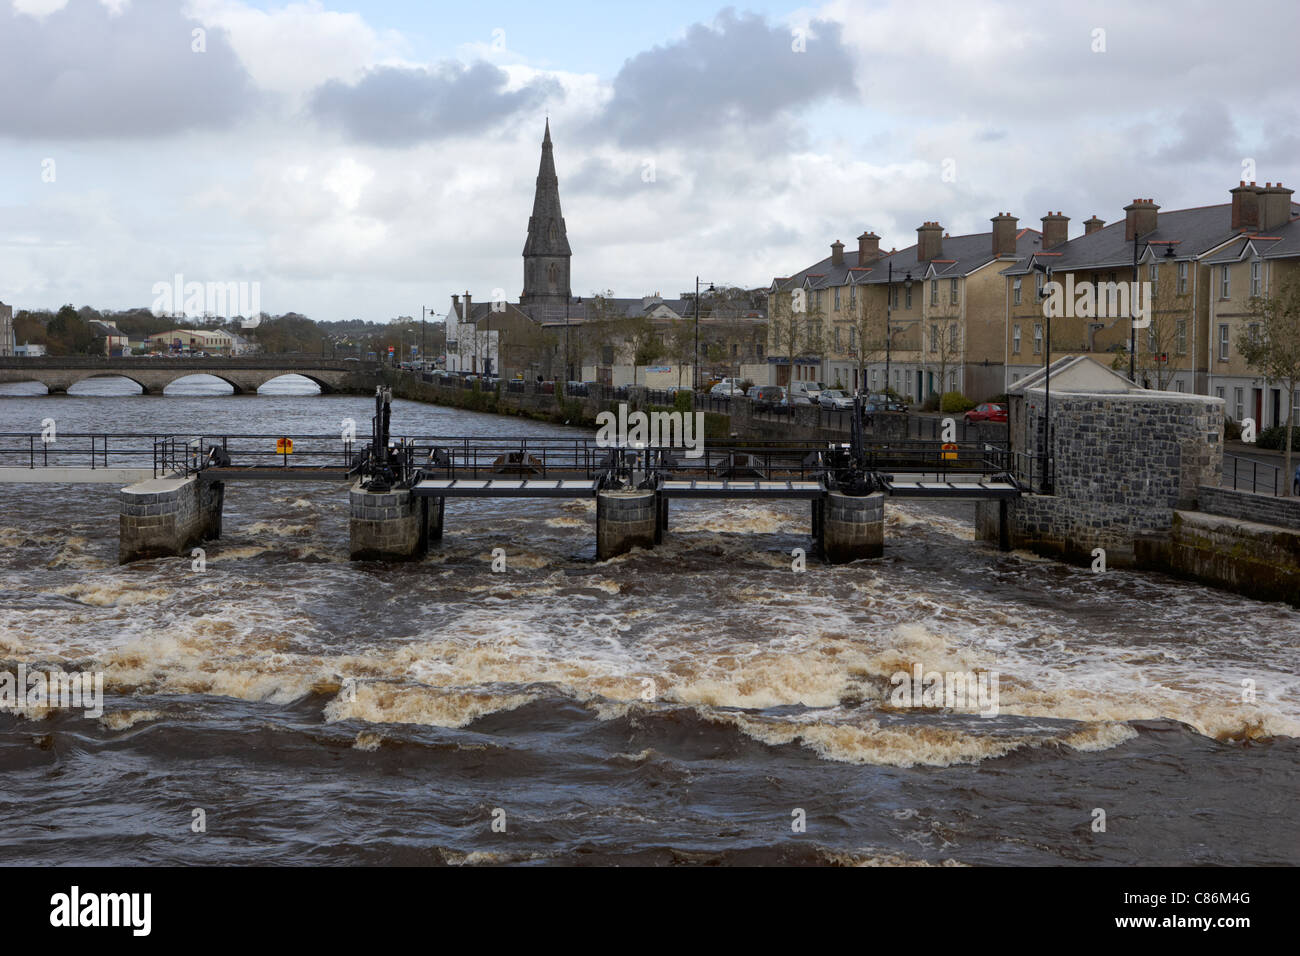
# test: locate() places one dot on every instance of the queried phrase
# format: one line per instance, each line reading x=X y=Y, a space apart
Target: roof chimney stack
x=1004 y=234
x=1274 y=206
x=837 y=253
x=1093 y=225
x=1245 y=207
x=1139 y=218
x=868 y=248
x=1056 y=229
x=929 y=241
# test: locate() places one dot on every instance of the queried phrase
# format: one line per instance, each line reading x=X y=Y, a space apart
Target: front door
x=1258 y=395
x=1277 y=406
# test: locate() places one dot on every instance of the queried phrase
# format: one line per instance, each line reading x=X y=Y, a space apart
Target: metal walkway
x=505 y=488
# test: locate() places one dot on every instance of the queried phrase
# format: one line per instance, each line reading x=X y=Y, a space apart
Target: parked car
x=987 y=412
x=576 y=388
x=833 y=398
x=725 y=390
x=753 y=392
x=882 y=402
x=809 y=390
x=771 y=398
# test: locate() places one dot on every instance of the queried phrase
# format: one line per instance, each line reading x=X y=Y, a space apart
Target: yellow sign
x=949 y=451
x=284 y=446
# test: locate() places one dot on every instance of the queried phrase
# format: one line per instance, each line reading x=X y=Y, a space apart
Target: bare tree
x=1274 y=349
x=867 y=334
x=1158 y=363
x=642 y=340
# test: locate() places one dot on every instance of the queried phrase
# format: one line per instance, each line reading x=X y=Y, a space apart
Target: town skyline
x=402 y=172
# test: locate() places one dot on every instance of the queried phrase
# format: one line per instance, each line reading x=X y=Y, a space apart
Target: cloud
x=400 y=106
x=737 y=76
x=88 y=71
x=1204 y=133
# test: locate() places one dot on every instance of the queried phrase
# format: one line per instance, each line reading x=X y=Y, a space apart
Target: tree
x=867 y=333
x=681 y=345
x=642 y=340
x=1155 y=366
x=789 y=324
x=1273 y=349
x=945 y=341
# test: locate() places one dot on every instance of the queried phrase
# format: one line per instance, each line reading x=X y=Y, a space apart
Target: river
x=701 y=702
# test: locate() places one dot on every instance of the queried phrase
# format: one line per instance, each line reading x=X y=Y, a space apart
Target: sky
x=365 y=160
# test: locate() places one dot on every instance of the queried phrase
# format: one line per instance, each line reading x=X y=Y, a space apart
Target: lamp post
x=1044 y=297
x=695 y=369
x=889 y=316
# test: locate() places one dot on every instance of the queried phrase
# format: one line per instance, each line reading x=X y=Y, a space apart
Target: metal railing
x=1249 y=474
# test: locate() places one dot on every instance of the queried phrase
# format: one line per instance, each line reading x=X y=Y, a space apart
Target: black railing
x=1248 y=474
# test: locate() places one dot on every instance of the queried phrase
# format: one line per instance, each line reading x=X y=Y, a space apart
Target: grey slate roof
x=1192 y=232
x=961 y=256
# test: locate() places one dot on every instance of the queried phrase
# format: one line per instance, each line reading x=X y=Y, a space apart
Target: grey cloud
x=83 y=73
x=740 y=74
x=396 y=106
x=1203 y=133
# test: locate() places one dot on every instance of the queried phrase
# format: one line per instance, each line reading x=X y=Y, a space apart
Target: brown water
x=322 y=710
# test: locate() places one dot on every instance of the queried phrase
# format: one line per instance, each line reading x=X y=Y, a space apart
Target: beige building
x=924 y=320
x=193 y=340
x=1197 y=270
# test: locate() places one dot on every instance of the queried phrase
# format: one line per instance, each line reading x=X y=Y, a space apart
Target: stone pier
x=392 y=525
x=851 y=527
x=627 y=520
x=166 y=517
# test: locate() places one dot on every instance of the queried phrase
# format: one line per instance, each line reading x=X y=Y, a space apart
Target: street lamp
x=695 y=369
x=1044 y=297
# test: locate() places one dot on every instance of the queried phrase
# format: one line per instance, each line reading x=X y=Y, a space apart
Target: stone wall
x=1123 y=463
x=1266 y=509
x=164 y=517
x=390 y=525
x=1260 y=561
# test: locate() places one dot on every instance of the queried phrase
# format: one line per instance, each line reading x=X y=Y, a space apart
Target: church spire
x=546 y=250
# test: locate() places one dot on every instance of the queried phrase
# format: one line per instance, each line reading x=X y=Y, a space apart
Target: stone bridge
x=153 y=374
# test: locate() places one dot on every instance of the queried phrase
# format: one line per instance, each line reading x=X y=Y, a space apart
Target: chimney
x=868 y=247
x=1056 y=229
x=1274 y=206
x=1139 y=218
x=1093 y=225
x=837 y=253
x=1004 y=234
x=1245 y=206
x=468 y=304
x=929 y=241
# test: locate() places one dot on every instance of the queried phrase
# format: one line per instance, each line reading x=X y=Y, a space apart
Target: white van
x=811 y=391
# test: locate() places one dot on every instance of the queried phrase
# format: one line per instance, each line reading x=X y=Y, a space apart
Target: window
x=1254 y=277
x=758 y=348
x=1218 y=391
x=837 y=298
x=952 y=291
x=817 y=300
x=909 y=383
x=1224 y=285
x=1015 y=292
x=934 y=291
x=1178 y=385
x=952 y=337
x=853 y=337
x=1015 y=338
x=1252 y=331
x=837 y=338
x=1151 y=338
x=853 y=296
x=873 y=379
x=1223 y=340
x=893 y=296
x=1239 y=404
x=909 y=297
x=1015 y=378
x=1153 y=275
x=1038 y=284
x=1038 y=338
x=735 y=349
x=934 y=338
x=895 y=379
x=1182 y=278
x=1180 y=337
x=1114 y=276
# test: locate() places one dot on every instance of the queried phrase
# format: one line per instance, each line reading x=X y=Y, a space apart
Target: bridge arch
x=314 y=379
x=235 y=389
x=116 y=373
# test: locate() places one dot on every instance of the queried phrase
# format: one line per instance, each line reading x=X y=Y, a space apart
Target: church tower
x=546 y=251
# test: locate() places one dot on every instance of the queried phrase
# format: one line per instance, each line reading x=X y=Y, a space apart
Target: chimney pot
x=929 y=241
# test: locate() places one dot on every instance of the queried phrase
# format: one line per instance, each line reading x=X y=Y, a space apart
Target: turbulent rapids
x=704 y=681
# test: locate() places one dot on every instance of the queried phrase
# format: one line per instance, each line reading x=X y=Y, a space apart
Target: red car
x=988 y=412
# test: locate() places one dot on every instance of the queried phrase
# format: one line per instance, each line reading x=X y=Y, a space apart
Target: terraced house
x=926 y=319
x=1202 y=264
